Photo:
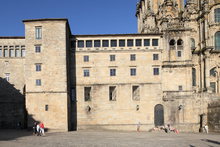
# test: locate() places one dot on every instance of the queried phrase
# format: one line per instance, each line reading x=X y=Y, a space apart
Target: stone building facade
x=167 y=73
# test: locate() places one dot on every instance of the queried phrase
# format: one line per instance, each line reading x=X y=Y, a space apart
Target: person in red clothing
x=42 y=128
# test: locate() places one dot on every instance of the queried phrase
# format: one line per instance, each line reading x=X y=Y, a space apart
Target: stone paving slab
x=15 y=138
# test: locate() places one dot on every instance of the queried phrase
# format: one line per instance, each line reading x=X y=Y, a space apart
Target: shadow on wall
x=214 y=116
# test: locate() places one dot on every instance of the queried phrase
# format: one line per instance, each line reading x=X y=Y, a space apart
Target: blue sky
x=85 y=16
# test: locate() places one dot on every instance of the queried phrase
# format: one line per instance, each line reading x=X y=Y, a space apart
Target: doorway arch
x=158 y=115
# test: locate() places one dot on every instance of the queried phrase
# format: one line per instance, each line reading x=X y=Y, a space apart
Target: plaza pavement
x=23 y=138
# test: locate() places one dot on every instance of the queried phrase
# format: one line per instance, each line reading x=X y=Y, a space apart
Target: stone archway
x=158 y=115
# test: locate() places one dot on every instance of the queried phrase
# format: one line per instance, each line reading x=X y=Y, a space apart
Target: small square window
x=112 y=72
x=86 y=72
x=37 y=48
x=133 y=71
x=97 y=43
x=138 y=42
x=86 y=58
x=179 y=53
x=112 y=57
x=80 y=43
x=154 y=42
x=88 y=43
x=38 y=66
x=156 y=71
x=146 y=42
x=121 y=43
x=105 y=43
x=38 y=82
x=113 y=43
x=130 y=42
x=132 y=57
x=155 y=57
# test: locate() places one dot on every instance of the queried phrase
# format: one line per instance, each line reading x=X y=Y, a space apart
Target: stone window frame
x=112 y=72
x=105 y=43
x=130 y=42
x=155 y=57
x=138 y=42
x=121 y=42
x=112 y=93
x=89 y=43
x=80 y=43
x=38 y=32
x=146 y=42
x=135 y=92
x=86 y=72
x=156 y=71
x=217 y=40
x=155 y=42
x=38 y=67
x=179 y=54
x=87 y=93
x=133 y=71
x=38 y=48
x=86 y=58
x=1 y=51
x=97 y=43
x=112 y=57
x=132 y=57
x=217 y=15
x=38 y=82
x=114 y=43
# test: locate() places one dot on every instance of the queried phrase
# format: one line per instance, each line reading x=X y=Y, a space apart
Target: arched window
x=217 y=15
x=193 y=77
x=213 y=72
x=217 y=40
x=192 y=43
x=172 y=42
x=180 y=42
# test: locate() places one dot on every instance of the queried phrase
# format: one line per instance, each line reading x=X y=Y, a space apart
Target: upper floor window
x=132 y=57
x=155 y=57
x=192 y=43
x=155 y=42
x=88 y=43
x=217 y=40
x=0 y=52
x=38 y=66
x=105 y=43
x=11 y=53
x=38 y=82
x=5 y=52
x=80 y=43
x=97 y=43
x=112 y=93
x=112 y=57
x=146 y=42
x=87 y=93
x=213 y=72
x=113 y=43
x=130 y=42
x=193 y=77
x=217 y=15
x=23 y=53
x=112 y=72
x=17 y=53
x=138 y=42
x=179 y=53
x=37 y=49
x=86 y=58
x=38 y=32
x=172 y=42
x=86 y=72
x=121 y=43
x=156 y=71
x=180 y=42
x=133 y=71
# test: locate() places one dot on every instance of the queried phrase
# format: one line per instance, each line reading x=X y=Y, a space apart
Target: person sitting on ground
x=42 y=128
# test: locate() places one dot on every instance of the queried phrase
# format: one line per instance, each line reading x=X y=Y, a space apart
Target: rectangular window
x=11 y=53
x=132 y=57
x=113 y=43
x=37 y=49
x=112 y=93
x=146 y=42
x=88 y=43
x=179 y=53
x=155 y=57
x=46 y=107
x=17 y=53
x=130 y=42
x=86 y=72
x=5 y=52
x=38 y=82
x=38 y=32
x=7 y=76
x=87 y=93
x=154 y=42
x=80 y=43
x=22 y=52
x=97 y=43
x=112 y=57
x=105 y=43
x=86 y=58
x=133 y=71
x=112 y=72
x=180 y=88
x=38 y=66
x=121 y=43
x=0 y=52
x=213 y=86
x=156 y=71
x=136 y=93
x=138 y=42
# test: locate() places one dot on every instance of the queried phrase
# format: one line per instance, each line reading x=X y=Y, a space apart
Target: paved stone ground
x=12 y=138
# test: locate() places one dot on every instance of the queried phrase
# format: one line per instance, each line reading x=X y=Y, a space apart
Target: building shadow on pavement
x=211 y=141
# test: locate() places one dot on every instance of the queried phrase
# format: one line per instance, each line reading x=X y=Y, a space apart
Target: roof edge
x=136 y=34
x=12 y=37
x=46 y=19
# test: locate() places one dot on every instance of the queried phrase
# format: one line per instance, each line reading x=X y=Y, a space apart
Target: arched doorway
x=158 y=115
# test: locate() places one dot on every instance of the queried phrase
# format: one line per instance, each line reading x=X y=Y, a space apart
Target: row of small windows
x=112 y=93
x=173 y=42
x=117 y=43
x=113 y=57
x=112 y=72
x=11 y=52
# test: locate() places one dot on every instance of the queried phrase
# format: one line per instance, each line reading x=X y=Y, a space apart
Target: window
x=113 y=43
x=7 y=76
x=133 y=71
x=86 y=58
x=112 y=57
x=46 y=107
x=22 y=52
x=156 y=71
x=217 y=40
x=138 y=42
x=154 y=42
x=17 y=53
x=97 y=43
x=38 y=32
x=86 y=72
x=112 y=93
x=0 y=52
x=179 y=53
x=155 y=57
x=172 y=42
x=217 y=15
x=180 y=88
x=193 y=77
x=38 y=82
x=38 y=66
x=121 y=43
x=37 y=49
x=105 y=43
x=192 y=43
x=11 y=53
x=213 y=72
x=213 y=86
x=136 y=93
x=88 y=43
x=180 y=42
x=130 y=42
x=80 y=43
x=87 y=93
x=146 y=42
x=132 y=57
x=112 y=72
x=5 y=52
